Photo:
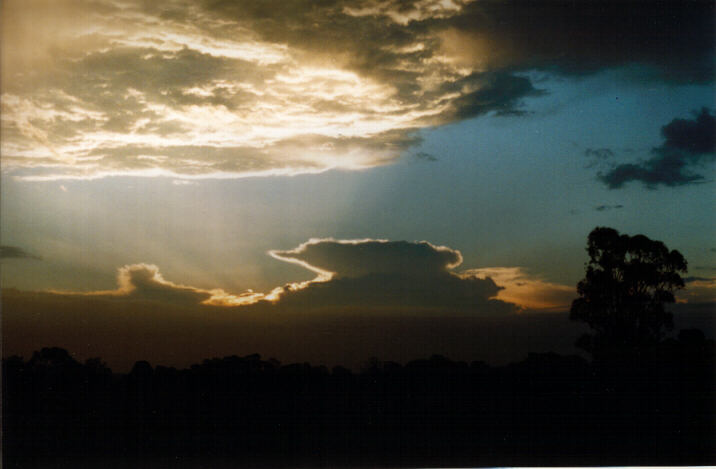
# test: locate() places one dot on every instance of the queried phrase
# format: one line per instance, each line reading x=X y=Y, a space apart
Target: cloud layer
x=227 y=89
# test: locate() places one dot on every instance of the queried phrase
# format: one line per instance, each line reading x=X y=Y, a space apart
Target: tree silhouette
x=628 y=280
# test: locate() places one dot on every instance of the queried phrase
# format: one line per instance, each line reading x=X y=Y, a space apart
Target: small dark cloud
x=499 y=92
x=695 y=136
x=697 y=279
x=14 y=252
x=597 y=156
x=688 y=144
x=424 y=156
x=601 y=153
x=603 y=208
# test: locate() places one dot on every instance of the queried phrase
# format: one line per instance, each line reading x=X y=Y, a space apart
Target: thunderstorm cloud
x=359 y=276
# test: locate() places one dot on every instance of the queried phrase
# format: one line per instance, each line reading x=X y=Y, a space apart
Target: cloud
x=14 y=252
x=688 y=144
x=603 y=208
x=698 y=290
x=527 y=291
x=424 y=156
x=356 y=258
x=392 y=277
x=236 y=89
x=600 y=153
x=576 y=38
x=393 y=299
x=361 y=277
x=692 y=279
x=144 y=282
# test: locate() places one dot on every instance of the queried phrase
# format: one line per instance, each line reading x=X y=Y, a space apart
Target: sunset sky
x=338 y=179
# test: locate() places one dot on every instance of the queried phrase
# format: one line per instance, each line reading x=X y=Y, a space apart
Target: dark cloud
x=364 y=257
x=395 y=276
x=692 y=279
x=600 y=153
x=674 y=38
x=401 y=293
x=677 y=38
x=696 y=136
x=500 y=92
x=14 y=252
x=602 y=208
x=688 y=143
x=424 y=156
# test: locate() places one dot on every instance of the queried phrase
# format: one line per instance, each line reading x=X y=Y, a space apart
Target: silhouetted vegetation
x=627 y=283
x=657 y=407
x=641 y=400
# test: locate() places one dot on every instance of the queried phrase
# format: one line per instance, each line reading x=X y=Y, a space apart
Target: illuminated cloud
x=529 y=292
x=394 y=277
x=144 y=282
x=698 y=290
x=232 y=89
x=357 y=258
x=366 y=276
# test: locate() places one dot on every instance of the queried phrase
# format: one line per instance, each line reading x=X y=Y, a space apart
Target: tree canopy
x=628 y=281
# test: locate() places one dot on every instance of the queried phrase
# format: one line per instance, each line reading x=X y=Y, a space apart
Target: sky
x=332 y=180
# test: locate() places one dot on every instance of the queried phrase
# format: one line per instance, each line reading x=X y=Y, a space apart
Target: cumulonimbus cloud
x=366 y=275
x=232 y=89
x=373 y=277
x=393 y=276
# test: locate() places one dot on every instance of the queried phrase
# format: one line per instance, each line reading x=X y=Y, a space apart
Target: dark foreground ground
x=651 y=406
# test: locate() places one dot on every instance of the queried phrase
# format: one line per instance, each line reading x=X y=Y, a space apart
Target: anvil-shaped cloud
x=363 y=276
x=231 y=89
